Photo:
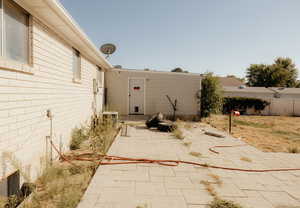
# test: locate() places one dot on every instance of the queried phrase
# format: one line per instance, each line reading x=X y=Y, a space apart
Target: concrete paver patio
x=154 y=186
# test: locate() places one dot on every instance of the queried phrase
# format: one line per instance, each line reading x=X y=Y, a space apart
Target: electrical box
x=95 y=86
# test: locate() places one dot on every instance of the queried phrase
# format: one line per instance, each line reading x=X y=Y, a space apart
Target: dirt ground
x=267 y=133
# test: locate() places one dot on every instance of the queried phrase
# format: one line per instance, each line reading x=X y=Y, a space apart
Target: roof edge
x=54 y=6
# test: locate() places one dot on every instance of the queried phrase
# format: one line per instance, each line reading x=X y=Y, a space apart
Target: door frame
x=128 y=97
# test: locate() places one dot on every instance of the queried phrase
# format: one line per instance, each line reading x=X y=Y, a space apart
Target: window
x=14 y=32
x=76 y=65
x=10 y=185
x=99 y=77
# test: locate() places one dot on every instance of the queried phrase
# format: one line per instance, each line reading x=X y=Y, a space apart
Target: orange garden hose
x=127 y=160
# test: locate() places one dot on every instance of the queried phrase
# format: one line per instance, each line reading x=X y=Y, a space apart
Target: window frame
x=8 y=63
x=76 y=54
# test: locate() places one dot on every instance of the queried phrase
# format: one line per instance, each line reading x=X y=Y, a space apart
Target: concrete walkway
x=154 y=186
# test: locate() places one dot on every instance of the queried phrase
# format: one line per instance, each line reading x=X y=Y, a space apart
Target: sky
x=220 y=36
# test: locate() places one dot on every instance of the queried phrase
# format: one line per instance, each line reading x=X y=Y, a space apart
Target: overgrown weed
x=246 y=159
x=196 y=154
x=78 y=136
x=178 y=134
x=220 y=203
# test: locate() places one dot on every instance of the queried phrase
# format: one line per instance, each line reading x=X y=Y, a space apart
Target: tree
x=283 y=73
x=178 y=69
x=211 y=95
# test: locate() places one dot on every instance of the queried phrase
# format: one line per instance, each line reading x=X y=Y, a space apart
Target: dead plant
x=216 y=178
x=209 y=188
x=220 y=203
x=196 y=154
x=178 y=134
x=246 y=159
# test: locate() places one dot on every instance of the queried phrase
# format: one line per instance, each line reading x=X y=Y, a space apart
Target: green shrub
x=78 y=136
x=211 y=95
x=243 y=103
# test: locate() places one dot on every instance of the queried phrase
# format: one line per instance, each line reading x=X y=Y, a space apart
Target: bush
x=211 y=95
x=79 y=135
x=243 y=103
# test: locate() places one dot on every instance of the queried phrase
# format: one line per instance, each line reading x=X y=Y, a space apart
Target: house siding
x=25 y=99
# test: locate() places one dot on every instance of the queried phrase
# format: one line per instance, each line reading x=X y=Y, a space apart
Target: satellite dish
x=108 y=49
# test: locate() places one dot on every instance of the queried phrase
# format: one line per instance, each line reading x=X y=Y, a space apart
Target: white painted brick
x=25 y=98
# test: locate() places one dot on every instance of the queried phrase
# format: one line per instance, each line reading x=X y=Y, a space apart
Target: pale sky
x=222 y=36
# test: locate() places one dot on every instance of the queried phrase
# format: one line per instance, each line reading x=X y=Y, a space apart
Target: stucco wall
x=182 y=87
x=25 y=98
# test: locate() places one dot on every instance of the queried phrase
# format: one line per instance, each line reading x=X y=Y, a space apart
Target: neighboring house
x=138 y=92
x=47 y=63
x=283 y=101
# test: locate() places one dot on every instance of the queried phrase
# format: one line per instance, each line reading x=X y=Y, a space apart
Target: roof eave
x=66 y=28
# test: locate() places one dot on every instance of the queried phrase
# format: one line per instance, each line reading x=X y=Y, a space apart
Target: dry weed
x=219 y=203
x=246 y=159
x=209 y=188
x=216 y=178
x=178 y=134
x=187 y=144
x=196 y=154
x=267 y=133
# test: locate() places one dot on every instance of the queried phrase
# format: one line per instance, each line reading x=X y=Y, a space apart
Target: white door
x=136 y=96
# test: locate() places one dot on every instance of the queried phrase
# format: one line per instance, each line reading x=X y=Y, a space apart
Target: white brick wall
x=25 y=98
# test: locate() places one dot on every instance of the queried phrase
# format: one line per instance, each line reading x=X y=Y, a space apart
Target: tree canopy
x=283 y=73
x=178 y=69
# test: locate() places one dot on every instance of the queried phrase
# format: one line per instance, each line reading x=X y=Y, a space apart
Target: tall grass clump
x=102 y=134
x=78 y=136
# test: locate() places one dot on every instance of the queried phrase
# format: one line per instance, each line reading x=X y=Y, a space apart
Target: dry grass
x=294 y=150
x=216 y=178
x=209 y=185
x=187 y=144
x=246 y=159
x=267 y=133
x=209 y=188
x=188 y=126
x=178 y=134
x=196 y=154
x=62 y=185
x=219 y=203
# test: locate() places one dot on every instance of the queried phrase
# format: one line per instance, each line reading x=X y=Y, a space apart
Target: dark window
x=15 y=31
